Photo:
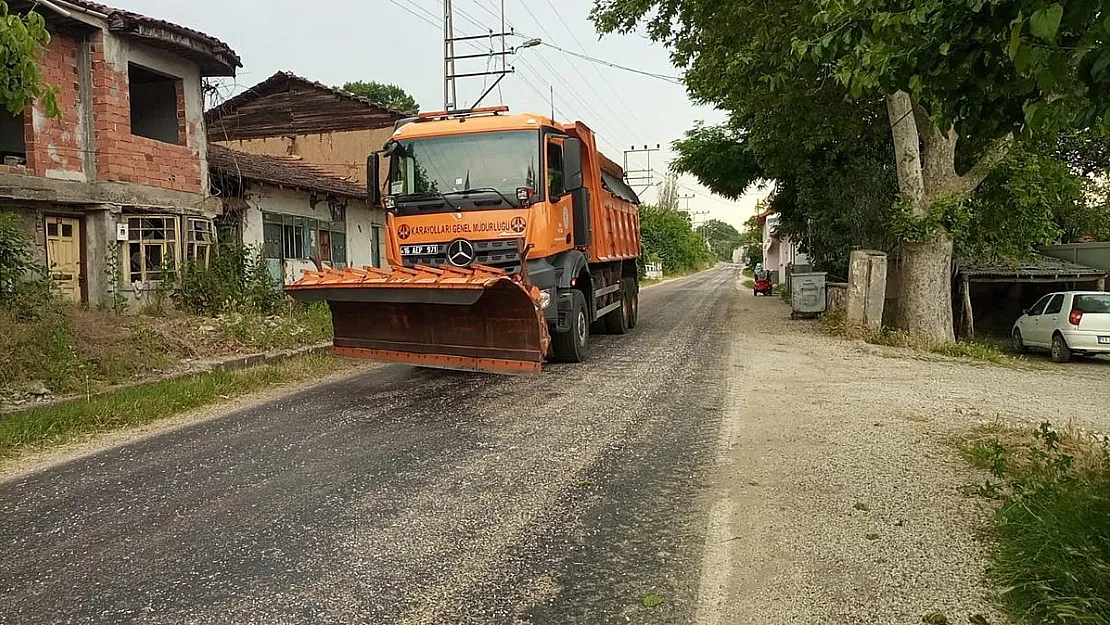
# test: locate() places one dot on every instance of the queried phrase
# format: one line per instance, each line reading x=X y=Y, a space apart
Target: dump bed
x=614 y=206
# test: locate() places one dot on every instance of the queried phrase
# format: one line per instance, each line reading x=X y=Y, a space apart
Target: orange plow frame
x=477 y=319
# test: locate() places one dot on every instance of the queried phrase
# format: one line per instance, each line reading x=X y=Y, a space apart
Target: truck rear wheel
x=571 y=346
x=632 y=296
x=616 y=322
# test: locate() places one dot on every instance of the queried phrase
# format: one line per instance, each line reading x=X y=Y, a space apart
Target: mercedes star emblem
x=460 y=252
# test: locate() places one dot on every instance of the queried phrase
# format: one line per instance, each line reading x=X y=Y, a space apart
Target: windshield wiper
x=466 y=192
x=426 y=196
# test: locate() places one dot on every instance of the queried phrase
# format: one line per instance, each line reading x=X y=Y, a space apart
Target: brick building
x=118 y=187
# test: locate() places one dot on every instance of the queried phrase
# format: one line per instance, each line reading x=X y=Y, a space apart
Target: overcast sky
x=401 y=41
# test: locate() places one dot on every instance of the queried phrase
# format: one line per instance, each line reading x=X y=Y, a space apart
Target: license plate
x=1104 y=340
x=419 y=250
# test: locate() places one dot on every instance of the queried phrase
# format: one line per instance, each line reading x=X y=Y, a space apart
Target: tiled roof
x=125 y=22
x=280 y=81
x=279 y=170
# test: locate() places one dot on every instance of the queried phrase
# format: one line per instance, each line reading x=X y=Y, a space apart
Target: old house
x=286 y=115
x=330 y=131
x=116 y=190
x=779 y=251
x=295 y=213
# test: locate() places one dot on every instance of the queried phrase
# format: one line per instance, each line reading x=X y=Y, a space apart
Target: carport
x=993 y=295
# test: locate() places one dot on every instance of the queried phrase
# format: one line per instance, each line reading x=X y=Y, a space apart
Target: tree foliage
x=385 y=94
x=22 y=40
x=721 y=237
x=666 y=234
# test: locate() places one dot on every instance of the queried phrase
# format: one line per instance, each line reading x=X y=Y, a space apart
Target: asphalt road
x=402 y=496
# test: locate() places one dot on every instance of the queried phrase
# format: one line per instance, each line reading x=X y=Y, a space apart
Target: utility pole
x=686 y=198
x=451 y=76
x=640 y=177
x=449 y=91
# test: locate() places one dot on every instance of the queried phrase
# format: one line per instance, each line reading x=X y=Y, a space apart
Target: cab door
x=63 y=255
x=558 y=223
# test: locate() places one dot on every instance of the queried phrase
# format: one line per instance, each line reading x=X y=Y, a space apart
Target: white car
x=1066 y=323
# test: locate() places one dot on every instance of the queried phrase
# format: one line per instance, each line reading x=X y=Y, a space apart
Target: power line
x=671 y=79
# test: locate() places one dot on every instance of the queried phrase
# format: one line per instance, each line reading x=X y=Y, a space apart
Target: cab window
x=1039 y=307
x=555 y=183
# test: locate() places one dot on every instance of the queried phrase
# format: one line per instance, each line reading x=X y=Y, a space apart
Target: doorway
x=63 y=255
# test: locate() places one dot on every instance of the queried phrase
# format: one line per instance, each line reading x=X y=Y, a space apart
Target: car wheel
x=1060 y=351
x=1018 y=342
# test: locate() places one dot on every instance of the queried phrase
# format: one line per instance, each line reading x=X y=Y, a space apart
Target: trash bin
x=807 y=294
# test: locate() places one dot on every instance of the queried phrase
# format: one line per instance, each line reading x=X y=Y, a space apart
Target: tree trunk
x=925 y=302
x=907 y=149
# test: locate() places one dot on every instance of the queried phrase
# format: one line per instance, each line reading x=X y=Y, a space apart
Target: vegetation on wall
x=23 y=39
x=385 y=94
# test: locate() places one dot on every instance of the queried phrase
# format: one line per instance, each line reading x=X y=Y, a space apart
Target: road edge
x=37 y=461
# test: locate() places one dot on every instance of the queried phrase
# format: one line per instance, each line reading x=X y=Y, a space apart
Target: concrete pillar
x=866 y=289
x=101 y=252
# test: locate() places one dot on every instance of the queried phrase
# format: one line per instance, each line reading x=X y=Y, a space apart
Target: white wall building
x=295 y=213
x=779 y=252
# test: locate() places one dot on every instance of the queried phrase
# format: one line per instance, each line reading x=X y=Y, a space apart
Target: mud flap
x=475 y=319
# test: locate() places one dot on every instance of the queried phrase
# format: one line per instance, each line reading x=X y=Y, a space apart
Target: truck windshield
x=505 y=161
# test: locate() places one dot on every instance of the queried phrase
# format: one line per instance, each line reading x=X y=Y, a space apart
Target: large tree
x=389 y=95
x=22 y=40
x=955 y=79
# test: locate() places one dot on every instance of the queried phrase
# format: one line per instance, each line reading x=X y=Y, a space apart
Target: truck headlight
x=545 y=299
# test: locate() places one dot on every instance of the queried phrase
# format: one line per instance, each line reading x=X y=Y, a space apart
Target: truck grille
x=503 y=254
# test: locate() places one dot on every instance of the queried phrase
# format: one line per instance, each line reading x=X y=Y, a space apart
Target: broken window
x=198 y=243
x=154 y=105
x=292 y=237
x=13 y=143
x=152 y=247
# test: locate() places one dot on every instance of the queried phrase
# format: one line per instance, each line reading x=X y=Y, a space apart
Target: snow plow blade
x=473 y=319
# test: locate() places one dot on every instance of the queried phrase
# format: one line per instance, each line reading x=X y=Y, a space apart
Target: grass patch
x=748 y=284
x=295 y=325
x=1051 y=555
x=47 y=426
x=984 y=350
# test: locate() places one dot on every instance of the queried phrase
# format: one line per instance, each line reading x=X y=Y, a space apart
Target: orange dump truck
x=511 y=239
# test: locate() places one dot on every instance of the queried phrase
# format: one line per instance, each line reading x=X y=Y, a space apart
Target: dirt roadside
x=837 y=490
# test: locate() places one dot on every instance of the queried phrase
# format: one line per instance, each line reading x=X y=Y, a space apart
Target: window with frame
x=1056 y=305
x=151 y=247
x=291 y=237
x=154 y=105
x=555 y=184
x=199 y=242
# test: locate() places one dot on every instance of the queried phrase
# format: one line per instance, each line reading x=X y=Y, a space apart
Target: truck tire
x=632 y=292
x=571 y=346
x=616 y=322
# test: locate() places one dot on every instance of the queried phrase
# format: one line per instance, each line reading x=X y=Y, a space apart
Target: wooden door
x=63 y=255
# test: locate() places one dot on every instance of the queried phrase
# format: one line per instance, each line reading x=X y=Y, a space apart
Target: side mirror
x=572 y=165
x=373 y=181
x=1025 y=311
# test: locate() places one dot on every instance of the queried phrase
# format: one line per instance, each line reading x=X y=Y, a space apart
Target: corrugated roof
x=1040 y=266
x=214 y=56
x=280 y=171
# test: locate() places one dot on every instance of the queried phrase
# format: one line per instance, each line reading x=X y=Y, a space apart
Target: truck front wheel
x=571 y=346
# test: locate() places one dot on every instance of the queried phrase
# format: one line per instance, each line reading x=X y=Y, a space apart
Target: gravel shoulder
x=837 y=496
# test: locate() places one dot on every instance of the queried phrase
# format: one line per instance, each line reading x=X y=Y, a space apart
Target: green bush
x=26 y=289
x=1052 y=556
x=667 y=234
x=235 y=280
